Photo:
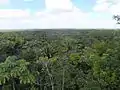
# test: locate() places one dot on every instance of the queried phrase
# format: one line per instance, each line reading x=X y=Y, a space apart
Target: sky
x=47 y=14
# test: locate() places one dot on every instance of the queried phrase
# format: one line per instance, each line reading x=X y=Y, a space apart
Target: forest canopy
x=60 y=60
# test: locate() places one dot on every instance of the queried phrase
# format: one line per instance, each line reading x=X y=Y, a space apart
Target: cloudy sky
x=22 y=14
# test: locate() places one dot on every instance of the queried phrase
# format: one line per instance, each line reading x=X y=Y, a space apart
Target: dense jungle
x=60 y=60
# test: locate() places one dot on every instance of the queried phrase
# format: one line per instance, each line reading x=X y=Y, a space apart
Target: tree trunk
x=13 y=85
x=63 y=79
x=1 y=87
x=50 y=75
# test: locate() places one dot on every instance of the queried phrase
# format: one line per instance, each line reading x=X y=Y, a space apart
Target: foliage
x=60 y=60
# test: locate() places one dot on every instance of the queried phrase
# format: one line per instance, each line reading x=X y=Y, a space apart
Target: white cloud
x=4 y=2
x=109 y=6
x=61 y=20
x=62 y=15
x=75 y=20
x=10 y=13
x=102 y=7
x=58 y=4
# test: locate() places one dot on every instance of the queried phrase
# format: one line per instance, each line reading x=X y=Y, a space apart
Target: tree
x=104 y=61
x=117 y=18
x=46 y=62
x=13 y=69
